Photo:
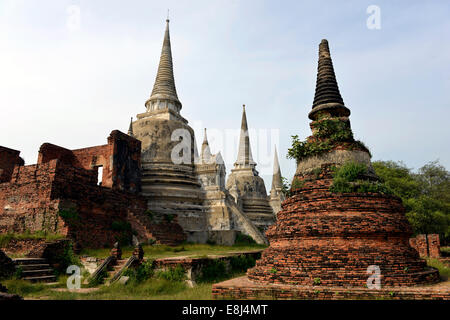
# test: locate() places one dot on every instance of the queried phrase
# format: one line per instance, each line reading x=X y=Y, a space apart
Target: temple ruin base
x=243 y=289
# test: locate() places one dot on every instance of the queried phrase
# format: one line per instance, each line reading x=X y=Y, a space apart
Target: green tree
x=425 y=194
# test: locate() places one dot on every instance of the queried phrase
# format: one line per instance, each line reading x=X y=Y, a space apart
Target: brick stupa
x=323 y=242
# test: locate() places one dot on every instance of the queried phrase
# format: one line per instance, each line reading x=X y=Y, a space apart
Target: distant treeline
x=425 y=195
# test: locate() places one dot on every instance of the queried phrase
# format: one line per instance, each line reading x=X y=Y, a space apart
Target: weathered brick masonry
x=9 y=158
x=428 y=245
x=66 y=181
x=335 y=237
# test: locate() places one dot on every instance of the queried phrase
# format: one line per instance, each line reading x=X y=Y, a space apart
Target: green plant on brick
x=70 y=216
x=328 y=134
x=317 y=281
x=352 y=177
x=297 y=184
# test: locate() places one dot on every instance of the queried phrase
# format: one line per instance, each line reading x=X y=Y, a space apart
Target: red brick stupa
x=340 y=224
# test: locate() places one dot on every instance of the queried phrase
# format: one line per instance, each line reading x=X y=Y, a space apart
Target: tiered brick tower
x=327 y=243
x=246 y=186
x=332 y=238
x=170 y=187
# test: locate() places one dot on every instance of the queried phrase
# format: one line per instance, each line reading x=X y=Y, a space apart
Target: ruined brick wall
x=428 y=245
x=98 y=207
x=120 y=159
x=26 y=203
x=60 y=193
x=9 y=158
x=48 y=152
x=36 y=194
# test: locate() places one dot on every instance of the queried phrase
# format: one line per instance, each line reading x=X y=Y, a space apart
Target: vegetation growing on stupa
x=328 y=134
x=352 y=177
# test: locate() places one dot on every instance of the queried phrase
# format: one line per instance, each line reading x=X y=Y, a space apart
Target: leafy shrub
x=425 y=195
x=70 y=216
x=215 y=269
x=243 y=239
x=242 y=262
x=173 y=274
x=141 y=273
x=65 y=259
x=350 y=177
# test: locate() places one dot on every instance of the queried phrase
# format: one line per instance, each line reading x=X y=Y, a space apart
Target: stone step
x=37 y=273
x=25 y=267
x=41 y=279
x=25 y=261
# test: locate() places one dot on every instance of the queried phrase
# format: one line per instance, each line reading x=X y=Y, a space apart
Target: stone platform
x=243 y=289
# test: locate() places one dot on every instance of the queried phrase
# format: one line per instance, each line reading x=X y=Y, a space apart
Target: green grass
x=6 y=238
x=153 y=288
x=444 y=270
x=163 y=251
x=445 y=251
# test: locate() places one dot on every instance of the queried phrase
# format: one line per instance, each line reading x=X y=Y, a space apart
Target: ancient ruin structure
x=223 y=217
x=327 y=242
x=169 y=181
x=246 y=186
x=63 y=194
x=174 y=183
x=276 y=192
x=428 y=245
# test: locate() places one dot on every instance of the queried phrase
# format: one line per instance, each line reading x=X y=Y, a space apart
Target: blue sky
x=73 y=86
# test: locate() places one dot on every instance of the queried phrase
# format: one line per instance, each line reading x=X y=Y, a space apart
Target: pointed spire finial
x=327 y=96
x=130 y=129
x=206 y=155
x=167 y=20
x=245 y=153
x=276 y=178
x=164 y=87
x=205 y=138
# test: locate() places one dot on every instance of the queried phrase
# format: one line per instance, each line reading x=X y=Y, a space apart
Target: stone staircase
x=35 y=269
x=116 y=268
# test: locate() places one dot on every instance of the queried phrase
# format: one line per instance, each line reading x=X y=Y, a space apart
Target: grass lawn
x=150 y=289
x=444 y=270
x=188 y=249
